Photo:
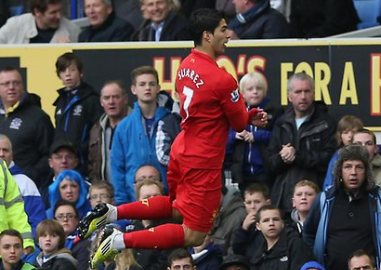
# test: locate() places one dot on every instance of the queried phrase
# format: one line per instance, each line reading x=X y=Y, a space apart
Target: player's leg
x=159 y=207
x=198 y=199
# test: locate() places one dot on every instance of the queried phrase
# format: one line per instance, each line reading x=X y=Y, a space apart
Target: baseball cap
x=235 y=259
x=59 y=144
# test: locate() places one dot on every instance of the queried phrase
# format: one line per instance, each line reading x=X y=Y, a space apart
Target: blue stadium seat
x=369 y=12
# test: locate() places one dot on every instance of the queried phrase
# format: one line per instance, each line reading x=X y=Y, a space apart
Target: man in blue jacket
x=134 y=139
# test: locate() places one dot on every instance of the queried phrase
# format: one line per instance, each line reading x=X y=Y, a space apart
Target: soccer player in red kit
x=210 y=104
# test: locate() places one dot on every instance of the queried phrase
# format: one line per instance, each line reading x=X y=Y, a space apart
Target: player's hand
x=260 y=119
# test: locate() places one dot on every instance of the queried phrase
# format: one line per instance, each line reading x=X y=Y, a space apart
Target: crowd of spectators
x=101 y=150
x=44 y=21
x=278 y=184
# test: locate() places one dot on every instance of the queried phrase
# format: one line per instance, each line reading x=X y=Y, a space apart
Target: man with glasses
x=27 y=126
x=367 y=138
x=67 y=215
x=361 y=260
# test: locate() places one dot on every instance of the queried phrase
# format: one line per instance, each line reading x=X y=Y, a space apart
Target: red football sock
x=165 y=236
x=157 y=207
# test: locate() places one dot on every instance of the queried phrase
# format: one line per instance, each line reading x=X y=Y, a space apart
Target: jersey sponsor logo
x=16 y=123
x=78 y=110
x=234 y=95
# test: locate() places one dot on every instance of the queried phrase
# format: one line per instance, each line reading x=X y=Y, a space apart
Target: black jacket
x=150 y=259
x=75 y=115
x=289 y=253
x=59 y=261
x=314 y=143
x=113 y=29
x=321 y=18
x=261 y=22
x=175 y=28
x=31 y=132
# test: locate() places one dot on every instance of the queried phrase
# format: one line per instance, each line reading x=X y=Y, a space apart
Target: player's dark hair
x=65 y=60
x=204 y=19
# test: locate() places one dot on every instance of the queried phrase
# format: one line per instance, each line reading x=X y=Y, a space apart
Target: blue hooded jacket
x=82 y=204
x=132 y=147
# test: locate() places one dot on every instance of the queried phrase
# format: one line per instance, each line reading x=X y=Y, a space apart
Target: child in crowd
x=246 y=148
x=282 y=248
x=305 y=192
x=51 y=239
x=346 y=128
x=101 y=192
x=11 y=250
x=255 y=196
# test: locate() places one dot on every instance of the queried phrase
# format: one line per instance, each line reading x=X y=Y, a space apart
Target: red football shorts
x=196 y=194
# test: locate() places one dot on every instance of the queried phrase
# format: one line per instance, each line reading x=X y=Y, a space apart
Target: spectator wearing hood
x=71 y=186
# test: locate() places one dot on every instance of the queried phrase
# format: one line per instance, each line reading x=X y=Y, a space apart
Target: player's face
x=219 y=38
x=71 y=76
x=69 y=190
x=65 y=215
x=367 y=141
x=270 y=224
x=6 y=151
x=63 y=159
x=146 y=88
x=97 y=11
x=301 y=97
x=113 y=100
x=48 y=243
x=10 y=249
x=253 y=92
x=303 y=198
x=11 y=87
x=254 y=201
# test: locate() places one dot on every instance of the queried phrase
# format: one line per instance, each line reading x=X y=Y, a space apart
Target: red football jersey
x=209 y=103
